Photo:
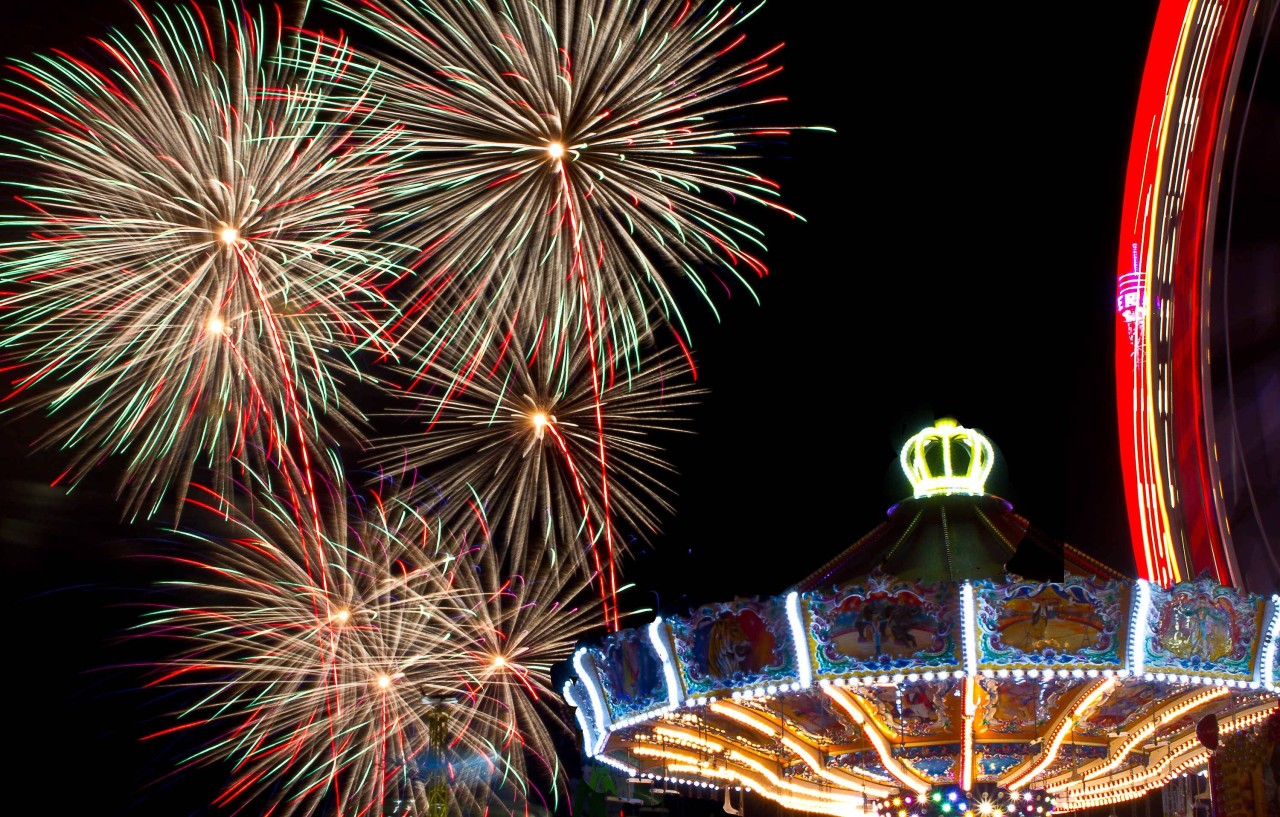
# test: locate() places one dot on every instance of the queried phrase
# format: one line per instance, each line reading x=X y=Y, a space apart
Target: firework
x=508 y=644
x=564 y=160
x=399 y=669
x=195 y=277
x=517 y=431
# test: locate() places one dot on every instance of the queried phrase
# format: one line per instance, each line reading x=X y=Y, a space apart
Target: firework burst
x=521 y=431
x=565 y=160
x=195 y=276
x=402 y=669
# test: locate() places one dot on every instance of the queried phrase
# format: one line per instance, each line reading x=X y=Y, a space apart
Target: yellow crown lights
x=947 y=459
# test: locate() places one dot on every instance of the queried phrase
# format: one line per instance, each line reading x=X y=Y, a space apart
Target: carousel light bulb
x=229 y=235
x=216 y=325
x=384 y=681
x=499 y=662
x=340 y=617
x=555 y=150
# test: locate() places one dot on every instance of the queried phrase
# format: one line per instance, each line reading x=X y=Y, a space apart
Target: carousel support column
x=660 y=637
x=1263 y=674
x=1139 y=628
x=585 y=666
x=968 y=617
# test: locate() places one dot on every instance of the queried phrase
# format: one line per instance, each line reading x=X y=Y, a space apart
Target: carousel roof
x=914 y=660
x=949 y=537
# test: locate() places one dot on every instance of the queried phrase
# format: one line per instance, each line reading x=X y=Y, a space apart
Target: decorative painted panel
x=1125 y=705
x=631 y=674
x=1079 y=622
x=735 y=645
x=917 y=709
x=885 y=626
x=1020 y=705
x=992 y=765
x=817 y=715
x=938 y=768
x=1202 y=628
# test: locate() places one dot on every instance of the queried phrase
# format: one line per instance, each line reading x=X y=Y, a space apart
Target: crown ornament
x=947 y=459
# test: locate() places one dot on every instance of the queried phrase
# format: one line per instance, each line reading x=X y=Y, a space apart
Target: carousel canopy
x=955 y=646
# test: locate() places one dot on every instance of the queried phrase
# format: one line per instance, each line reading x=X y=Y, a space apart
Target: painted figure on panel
x=919 y=705
x=1122 y=704
x=632 y=668
x=735 y=643
x=1049 y=620
x=814 y=714
x=1016 y=704
x=865 y=629
x=1200 y=628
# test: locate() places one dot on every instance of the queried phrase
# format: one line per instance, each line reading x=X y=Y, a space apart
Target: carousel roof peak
x=947 y=459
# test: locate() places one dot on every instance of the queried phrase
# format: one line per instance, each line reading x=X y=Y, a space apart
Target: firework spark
x=403 y=669
x=564 y=161
x=515 y=430
x=196 y=275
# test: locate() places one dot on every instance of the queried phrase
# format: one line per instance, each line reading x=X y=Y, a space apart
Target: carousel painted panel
x=936 y=763
x=813 y=714
x=995 y=760
x=736 y=645
x=919 y=709
x=631 y=674
x=1126 y=704
x=886 y=626
x=1203 y=628
x=1078 y=623
x=1021 y=705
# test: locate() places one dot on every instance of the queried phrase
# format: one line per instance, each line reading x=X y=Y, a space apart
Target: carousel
x=954 y=659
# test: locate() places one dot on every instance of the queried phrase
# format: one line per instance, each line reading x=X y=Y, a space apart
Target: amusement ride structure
x=1196 y=354
x=953 y=659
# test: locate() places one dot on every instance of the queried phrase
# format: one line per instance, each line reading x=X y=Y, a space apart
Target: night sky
x=957 y=260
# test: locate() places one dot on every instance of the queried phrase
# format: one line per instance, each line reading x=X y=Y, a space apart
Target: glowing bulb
x=984 y=807
x=341 y=616
x=499 y=662
x=555 y=150
x=229 y=235
x=216 y=325
x=384 y=681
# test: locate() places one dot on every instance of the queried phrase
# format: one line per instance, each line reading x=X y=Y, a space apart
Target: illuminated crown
x=947 y=459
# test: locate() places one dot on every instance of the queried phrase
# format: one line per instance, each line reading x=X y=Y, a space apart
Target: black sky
x=957 y=260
